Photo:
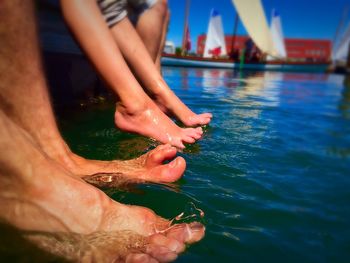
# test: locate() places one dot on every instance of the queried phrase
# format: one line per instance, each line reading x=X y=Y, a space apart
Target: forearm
x=94 y=36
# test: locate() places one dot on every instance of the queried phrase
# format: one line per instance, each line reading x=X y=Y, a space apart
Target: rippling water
x=271 y=173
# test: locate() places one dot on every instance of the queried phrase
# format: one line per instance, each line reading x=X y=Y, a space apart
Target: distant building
x=169 y=47
x=297 y=49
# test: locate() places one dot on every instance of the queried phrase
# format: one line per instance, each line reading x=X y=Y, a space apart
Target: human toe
x=139 y=258
x=161 y=253
x=170 y=243
x=178 y=143
x=206 y=115
x=195 y=133
x=189 y=139
x=203 y=118
x=172 y=171
x=187 y=233
x=204 y=121
x=161 y=153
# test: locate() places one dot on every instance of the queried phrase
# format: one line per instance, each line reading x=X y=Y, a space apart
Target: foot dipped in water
x=37 y=195
x=151 y=122
x=170 y=103
x=67 y=205
x=148 y=167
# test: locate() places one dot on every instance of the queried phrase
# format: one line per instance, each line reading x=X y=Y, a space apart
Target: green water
x=271 y=172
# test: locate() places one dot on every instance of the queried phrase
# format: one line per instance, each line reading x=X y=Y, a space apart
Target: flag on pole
x=187 y=39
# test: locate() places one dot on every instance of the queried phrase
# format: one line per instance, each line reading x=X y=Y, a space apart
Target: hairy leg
x=143 y=66
x=36 y=194
x=148 y=167
x=137 y=112
x=23 y=87
x=24 y=96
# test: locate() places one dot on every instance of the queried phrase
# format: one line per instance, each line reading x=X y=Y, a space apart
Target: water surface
x=271 y=173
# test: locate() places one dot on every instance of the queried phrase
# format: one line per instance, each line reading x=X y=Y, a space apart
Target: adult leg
x=152 y=26
x=24 y=93
x=136 y=112
x=36 y=194
x=140 y=61
x=162 y=43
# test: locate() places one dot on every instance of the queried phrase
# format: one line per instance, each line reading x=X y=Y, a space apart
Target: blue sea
x=271 y=173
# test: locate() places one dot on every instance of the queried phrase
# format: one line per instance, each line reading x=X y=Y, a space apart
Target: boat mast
x=340 y=28
x=348 y=58
x=184 y=38
x=234 y=34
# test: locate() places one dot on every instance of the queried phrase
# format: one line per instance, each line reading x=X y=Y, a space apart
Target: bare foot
x=169 y=102
x=36 y=194
x=55 y=202
x=148 y=167
x=152 y=122
x=112 y=246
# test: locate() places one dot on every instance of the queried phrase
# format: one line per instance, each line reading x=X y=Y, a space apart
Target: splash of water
x=190 y=214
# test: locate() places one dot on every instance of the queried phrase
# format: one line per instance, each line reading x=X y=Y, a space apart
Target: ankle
x=60 y=152
x=135 y=108
x=158 y=88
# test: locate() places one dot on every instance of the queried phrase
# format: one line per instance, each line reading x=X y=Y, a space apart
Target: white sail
x=277 y=34
x=254 y=20
x=215 y=42
x=340 y=53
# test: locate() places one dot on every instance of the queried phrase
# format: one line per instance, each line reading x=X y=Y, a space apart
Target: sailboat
x=269 y=40
x=277 y=35
x=341 y=52
x=215 y=45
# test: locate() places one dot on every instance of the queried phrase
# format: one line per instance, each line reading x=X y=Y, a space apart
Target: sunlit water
x=272 y=172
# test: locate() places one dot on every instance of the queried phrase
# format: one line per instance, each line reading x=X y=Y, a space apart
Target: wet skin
x=37 y=194
x=153 y=123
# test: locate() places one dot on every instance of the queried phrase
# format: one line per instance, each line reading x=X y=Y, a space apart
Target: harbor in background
x=264 y=48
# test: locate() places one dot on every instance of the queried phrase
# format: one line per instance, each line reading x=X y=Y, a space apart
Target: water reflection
x=336 y=148
x=237 y=84
x=184 y=76
x=263 y=86
x=271 y=171
x=213 y=79
x=344 y=104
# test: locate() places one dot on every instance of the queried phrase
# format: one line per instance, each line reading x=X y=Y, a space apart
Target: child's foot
x=170 y=103
x=153 y=123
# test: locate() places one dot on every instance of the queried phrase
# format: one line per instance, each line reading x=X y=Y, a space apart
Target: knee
x=161 y=7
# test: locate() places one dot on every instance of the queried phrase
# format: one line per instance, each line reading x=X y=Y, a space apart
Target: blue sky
x=317 y=19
